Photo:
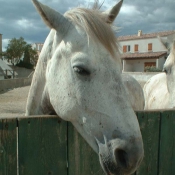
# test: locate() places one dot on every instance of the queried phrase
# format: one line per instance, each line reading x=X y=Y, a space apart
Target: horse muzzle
x=119 y=157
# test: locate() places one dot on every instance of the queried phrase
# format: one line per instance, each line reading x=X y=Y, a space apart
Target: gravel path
x=13 y=102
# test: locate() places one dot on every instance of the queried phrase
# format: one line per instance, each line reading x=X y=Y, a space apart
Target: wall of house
x=137 y=65
x=127 y=66
x=37 y=46
x=160 y=62
x=142 y=77
x=157 y=46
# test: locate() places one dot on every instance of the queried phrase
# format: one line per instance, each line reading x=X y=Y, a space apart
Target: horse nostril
x=164 y=70
x=121 y=158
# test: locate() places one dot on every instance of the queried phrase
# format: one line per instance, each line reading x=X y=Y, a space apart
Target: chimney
x=139 y=32
x=0 y=45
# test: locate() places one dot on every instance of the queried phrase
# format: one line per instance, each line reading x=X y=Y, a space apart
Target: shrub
x=152 y=69
x=24 y=64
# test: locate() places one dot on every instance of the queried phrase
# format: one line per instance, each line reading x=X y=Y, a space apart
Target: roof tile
x=147 y=55
x=144 y=36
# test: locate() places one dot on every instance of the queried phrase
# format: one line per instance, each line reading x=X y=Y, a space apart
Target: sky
x=18 y=18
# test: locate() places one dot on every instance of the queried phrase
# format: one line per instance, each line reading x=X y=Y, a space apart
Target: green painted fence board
x=149 y=126
x=82 y=159
x=42 y=146
x=48 y=145
x=8 y=147
x=167 y=144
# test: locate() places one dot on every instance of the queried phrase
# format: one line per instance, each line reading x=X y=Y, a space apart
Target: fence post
x=8 y=147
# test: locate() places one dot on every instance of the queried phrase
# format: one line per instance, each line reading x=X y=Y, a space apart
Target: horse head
x=169 y=64
x=78 y=76
x=169 y=69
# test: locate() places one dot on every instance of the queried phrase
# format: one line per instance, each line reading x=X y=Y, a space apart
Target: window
x=150 y=47
x=136 y=47
x=126 y=48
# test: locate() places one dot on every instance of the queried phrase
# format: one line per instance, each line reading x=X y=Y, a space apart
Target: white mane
x=92 y=21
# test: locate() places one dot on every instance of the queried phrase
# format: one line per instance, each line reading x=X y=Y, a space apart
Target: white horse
x=134 y=92
x=78 y=76
x=159 y=91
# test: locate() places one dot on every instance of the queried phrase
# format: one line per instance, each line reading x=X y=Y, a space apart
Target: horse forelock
x=93 y=23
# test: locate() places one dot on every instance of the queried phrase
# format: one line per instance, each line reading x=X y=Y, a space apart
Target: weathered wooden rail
x=49 y=146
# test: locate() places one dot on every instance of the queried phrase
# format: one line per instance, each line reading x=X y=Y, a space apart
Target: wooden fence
x=49 y=146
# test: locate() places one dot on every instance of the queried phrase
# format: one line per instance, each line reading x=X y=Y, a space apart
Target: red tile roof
x=144 y=36
x=147 y=55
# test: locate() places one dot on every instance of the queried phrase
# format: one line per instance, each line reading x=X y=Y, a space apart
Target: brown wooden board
x=167 y=144
x=8 y=147
x=149 y=125
x=82 y=160
x=42 y=146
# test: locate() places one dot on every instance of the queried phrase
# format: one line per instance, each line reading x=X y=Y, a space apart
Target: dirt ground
x=13 y=102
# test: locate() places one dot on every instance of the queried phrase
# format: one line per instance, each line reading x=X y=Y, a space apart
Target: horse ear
x=112 y=13
x=52 y=18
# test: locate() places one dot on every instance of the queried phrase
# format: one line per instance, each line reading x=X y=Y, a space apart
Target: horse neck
x=38 y=82
x=171 y=80
x=170 y=86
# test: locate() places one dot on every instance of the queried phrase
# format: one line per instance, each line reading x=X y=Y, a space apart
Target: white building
x=38 y=47
x=143 y=50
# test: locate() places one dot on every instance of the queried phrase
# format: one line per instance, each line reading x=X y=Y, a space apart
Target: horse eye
x=81 y=70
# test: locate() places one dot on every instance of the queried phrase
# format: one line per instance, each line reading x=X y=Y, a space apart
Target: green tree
x=26 y=58
x=15 y=50
x=33 y=55
x=19 y=53
x=30 y=58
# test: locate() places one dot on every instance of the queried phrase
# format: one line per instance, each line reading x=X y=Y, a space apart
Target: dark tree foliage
x=19 y=53
x=29 y=59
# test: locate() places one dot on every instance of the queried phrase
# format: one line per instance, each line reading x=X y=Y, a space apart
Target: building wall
x=38 y=47
x=136 y=65
x=142 y=77
x=127 y=66
x=160 y=62
x=157 y=46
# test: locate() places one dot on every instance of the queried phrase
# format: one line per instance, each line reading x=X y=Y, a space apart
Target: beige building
x=143 y=50
x=38 y=47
